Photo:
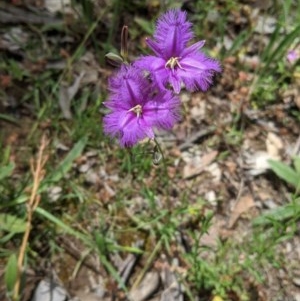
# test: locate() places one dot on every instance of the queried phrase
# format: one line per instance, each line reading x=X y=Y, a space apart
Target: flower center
x=137 y=110
x=173 y=62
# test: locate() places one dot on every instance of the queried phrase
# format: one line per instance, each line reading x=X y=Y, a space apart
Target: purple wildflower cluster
x=143 y=95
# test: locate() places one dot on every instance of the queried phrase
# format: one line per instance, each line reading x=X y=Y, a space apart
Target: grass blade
x=62 y=225
x=279 y=52
x=66 y=164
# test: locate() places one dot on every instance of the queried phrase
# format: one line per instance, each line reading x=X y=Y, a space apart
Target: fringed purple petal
x=192 y=49
x=163 y=110
x=154 y=46
x=150 y=63
x=172 y=33
x=175 y=82
x=198 y=71
x=126 y=127
x=127 y=84
x=198 y=62
x=131 y=135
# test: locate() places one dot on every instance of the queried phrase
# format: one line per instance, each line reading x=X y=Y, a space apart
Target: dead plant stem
x=37 y=171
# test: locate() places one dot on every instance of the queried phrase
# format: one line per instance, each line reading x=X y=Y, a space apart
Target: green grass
x=102 y=224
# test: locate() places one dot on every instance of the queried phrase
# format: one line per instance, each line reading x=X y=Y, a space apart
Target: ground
x=204 y=216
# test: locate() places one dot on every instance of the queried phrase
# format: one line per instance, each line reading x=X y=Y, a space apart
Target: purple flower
x=175 y=62
x=136 y=108
x=292 y=56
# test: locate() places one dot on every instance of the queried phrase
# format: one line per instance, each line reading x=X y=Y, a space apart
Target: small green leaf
x=279 y=214
x=11 y=223
x=11 y=272
x=285 y=172
x=6 y=171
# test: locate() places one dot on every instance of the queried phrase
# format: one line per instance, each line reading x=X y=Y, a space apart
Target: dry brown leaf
x=66 y=95
x=232 y=166
x=197 y=165
x=89 y=65
x=274 y=144
x=244 y=204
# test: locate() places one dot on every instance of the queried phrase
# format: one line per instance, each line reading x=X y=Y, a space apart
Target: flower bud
x=114 y=59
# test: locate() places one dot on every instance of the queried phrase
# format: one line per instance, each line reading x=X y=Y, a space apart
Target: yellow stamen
x=137 y=110
x=173 y=62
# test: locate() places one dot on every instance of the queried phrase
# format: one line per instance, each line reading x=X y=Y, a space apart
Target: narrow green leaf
x=5 y=238
x=19 y=200
x=6 y=171
x=11 y=272
x=62 y=225
x=297 y=165
x=145 y=25
x=285 y=43
x=113 y=272
x=8 y=118
x=281 y=49
x=285 y=172
x=278 y=214
x=66 y=164
x=273 y=39
x=239 y=41
x=11 y=223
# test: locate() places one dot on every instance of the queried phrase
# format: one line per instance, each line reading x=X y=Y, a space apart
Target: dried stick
x=33 y=201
